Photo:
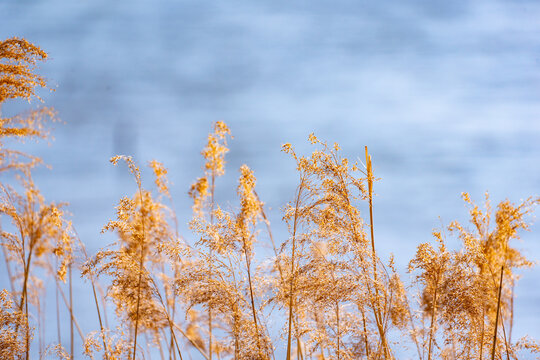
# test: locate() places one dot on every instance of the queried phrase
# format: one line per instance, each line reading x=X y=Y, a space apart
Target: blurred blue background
x=444 y=94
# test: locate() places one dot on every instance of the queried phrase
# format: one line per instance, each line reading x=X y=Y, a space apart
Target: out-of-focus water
x=445 y=94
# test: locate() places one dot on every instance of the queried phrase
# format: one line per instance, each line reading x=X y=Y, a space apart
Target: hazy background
x=445 y=94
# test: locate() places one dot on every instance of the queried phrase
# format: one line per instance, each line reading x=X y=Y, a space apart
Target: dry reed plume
x=215 y=295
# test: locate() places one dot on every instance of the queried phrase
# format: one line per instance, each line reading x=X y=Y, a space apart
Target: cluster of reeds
x=324 y=292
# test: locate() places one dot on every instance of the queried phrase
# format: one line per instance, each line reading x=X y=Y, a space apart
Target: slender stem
x=433 y=314
x=141 y=262
x=212 y=204
x=92 y=281
x=175 y=219
x=24 y=301
x=193 y=343
x=338 y=331
x=25 y=282
x=27 y=331
x=300 y=188
x=511 y=313
x=413 y=333
x=66 y=303
x=99 y=318
x=482 y=334
x=100 y=323
x=497 y=315
x=160 y=347
x=274 y=248
x=40 y=325
x=71 y=311
x=104 y=304
x=248 y=267
x=171 y=324
x=365 y=333
x=378 y=317
x=58 y=331
x=138 y=303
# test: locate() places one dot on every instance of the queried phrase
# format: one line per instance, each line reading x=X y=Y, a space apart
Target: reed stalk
x=96 y=302
x=141 y=265
x=71 y=311
x=497 y=314
x=433 y=314
x=291 y=293
x=58 y=332
x=378 y=316
x=210 y=253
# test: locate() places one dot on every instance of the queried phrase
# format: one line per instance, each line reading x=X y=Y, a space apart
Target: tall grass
x=212 y=294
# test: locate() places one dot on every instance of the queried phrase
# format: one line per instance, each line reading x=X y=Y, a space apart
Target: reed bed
x=208 y=295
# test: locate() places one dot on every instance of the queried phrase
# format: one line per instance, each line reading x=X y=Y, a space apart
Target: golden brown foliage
x=216 y=294
x=36 y=234
x=12 y=342
x=459 y=289
x=18 y=58
x=334 y=267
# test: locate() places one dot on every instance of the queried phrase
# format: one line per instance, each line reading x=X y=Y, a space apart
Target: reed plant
x=324 y=293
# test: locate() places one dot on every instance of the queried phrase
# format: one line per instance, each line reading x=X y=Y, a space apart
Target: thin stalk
x=165 y=289
x=167 y=315
x=365 y=333
x=433 y=307
x=90 y=273
x=318 y=323
x=99 y=318
x=248 y=267
x=413 y=334
x=269 y=230
x=506 y=339
x=210 y=252
x=104 y=304
x=338 y=334
x=148 y=348
x=175 y=219
x=373 y=253
x=24 y=301
x=511 y=313
x=25 y=282
x=71 y=311
x=138 y=303
x=193 y=343
x=26 y=265
x=40 y=325
x=27 y=331
x=274 y=248
x=497 y=315
x=295 y=223
x=58 y=332
x=298 y=341
x=66 y=303
x=162 y=357
x=374 y=306
x=482 y=334
x=141 y=262
x=171 y=344
x=505 y=342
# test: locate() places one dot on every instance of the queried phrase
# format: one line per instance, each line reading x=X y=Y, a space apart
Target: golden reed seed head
x=18 y=58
